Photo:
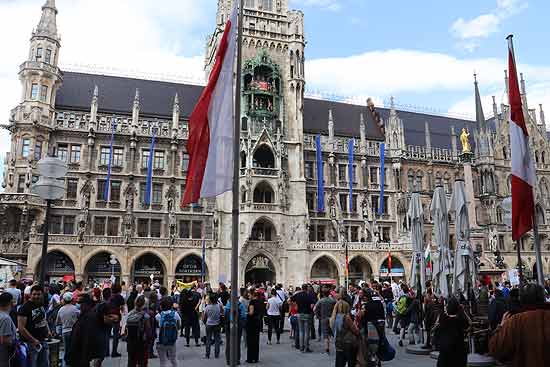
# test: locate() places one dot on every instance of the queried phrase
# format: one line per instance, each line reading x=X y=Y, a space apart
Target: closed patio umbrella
x=464 y=264
x=442 y=269
x=416 y=216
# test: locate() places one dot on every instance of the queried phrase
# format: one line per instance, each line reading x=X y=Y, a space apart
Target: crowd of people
x=350 y=323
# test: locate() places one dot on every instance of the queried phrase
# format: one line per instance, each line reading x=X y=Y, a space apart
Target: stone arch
x=360 y=268
x=263 y=193
x=162 y=277
x=190 y=274
x=325 y=267
x=397 y=259
x=263 y=229
x=63 y=269
x=263 y=156
x=263 y=270
x=112 y=251
x=98 y=267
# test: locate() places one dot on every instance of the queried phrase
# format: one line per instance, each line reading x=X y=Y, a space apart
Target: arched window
x=500 y=214
x=543 y=157
x=540 y=215
x=504 y=153
x=536 y=156
x=263 y=193
x=263 y=157
x=263 y=230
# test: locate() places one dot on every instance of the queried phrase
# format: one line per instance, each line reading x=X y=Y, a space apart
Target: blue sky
x=422 y=52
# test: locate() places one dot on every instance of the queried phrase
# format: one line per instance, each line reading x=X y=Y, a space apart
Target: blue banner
x=149 y=183
x=203 y=269
x=320 y=176
x=351 y=144
x=382 y=178
x=108 y=181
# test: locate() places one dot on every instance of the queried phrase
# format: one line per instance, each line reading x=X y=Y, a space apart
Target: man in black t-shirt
x=33 y=327
x=305 y=302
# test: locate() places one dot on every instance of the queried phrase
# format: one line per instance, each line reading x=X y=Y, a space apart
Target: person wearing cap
x=66 y=317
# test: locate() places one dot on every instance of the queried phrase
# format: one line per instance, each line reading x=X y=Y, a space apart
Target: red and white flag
x=211 y=127
x=523 y=170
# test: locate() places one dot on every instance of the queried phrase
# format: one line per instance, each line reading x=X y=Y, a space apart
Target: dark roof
x=116 y=95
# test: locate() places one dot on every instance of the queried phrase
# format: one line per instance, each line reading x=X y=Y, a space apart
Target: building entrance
x=260 y=270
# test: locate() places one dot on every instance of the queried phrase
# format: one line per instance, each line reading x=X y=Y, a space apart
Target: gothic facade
x=283 y=234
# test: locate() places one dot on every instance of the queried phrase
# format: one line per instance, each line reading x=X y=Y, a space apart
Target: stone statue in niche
x=28 y=175
x=215 y=225
x=127 y=226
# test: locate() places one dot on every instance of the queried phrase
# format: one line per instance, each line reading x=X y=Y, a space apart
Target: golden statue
x=464 y=140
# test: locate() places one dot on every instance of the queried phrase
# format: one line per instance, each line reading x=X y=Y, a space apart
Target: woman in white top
x=274 y=304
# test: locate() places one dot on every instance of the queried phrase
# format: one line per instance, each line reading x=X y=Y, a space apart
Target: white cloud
x=332 y=5
x=469 y=32
x=129 y=35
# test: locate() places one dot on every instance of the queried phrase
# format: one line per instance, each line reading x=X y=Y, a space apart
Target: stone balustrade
x=21 y=198
x=359 y=246
x=120 y=241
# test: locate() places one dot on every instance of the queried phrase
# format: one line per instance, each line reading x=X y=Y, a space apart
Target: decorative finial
x=136 y=98
x=96 y=91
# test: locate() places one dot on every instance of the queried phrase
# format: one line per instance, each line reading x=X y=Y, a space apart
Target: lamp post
x=49 y=188
x=113 y=262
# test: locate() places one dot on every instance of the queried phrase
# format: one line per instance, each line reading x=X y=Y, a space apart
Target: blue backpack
x=168 y=328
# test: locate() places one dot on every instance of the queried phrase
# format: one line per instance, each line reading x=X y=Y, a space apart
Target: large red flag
x=211 y=128
x=523 y=170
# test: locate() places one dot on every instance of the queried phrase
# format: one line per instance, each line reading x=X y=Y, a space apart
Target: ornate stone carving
x=128 y=227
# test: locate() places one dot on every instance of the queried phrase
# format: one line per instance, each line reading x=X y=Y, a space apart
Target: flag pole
x=538 y=257
x=235 y=342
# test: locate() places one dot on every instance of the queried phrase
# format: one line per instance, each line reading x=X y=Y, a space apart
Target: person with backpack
x=401 y=307
x=212 y=318
x=243 y=317
x=346 y=335
x=169 y=322
x=138 y=333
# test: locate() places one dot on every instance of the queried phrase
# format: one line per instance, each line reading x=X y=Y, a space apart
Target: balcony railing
x=265 y=171
x=269 y=207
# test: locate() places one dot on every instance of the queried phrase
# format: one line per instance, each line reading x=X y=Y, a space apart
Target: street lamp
x=113 y=262
x=49 y=188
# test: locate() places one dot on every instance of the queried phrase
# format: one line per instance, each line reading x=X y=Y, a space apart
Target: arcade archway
x=263 y=230
x=190 y=269
x=324 y=271
x=260 y=269
x=99 y=268
x=393 y=269
x=148 y=268
x=59 y=267
x=359 y=269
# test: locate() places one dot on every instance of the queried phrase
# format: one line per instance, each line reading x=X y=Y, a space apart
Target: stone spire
x=480 y=116
x=363 y=132
x=427 y=137
x=135 y=109
x=94 y=106
x=542 y=119
x=453 y=141
x=48 y=22
x=176 y=113
x=506 y=83
x=330 y=127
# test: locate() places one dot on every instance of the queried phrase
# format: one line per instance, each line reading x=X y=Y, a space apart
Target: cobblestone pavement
x=276 y=355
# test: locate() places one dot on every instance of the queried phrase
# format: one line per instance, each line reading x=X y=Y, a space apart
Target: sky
x=424 y=53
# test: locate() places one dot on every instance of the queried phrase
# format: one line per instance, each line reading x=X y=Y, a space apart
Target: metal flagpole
x=538 y=257
x=234 y=332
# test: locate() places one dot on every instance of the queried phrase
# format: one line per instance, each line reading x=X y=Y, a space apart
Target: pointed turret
x=47 y=27
x=506 y=82
x=427 y=137
x=330 y=127
x=480 y=116
x=135 y=109
x=94 y=106
x=176 y=114
x=363 y=133
x=542 y=119
x=453 y=141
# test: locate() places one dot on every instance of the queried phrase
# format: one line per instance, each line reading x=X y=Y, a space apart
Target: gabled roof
x=116 y=95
